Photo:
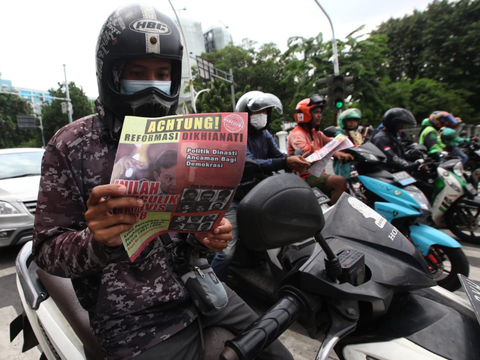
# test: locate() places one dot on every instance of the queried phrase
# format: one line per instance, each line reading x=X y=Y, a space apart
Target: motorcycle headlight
x=415 y=192
x=458 y=169
x=7 y=209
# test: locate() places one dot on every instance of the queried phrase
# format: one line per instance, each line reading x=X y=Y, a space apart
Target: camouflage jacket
x=132 y=306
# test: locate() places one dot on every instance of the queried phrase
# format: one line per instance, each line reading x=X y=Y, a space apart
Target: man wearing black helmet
x=137 y=309
x=387 y=140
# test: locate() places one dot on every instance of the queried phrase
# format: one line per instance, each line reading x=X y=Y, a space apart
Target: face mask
x=132 y=86
x=258 y=121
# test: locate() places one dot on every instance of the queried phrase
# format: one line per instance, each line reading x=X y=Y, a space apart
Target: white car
x=19 y=182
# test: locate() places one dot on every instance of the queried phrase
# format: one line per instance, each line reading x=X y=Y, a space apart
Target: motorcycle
x=472 y=167
x=363 y=287
x=396 y=197
x=454 y=202
x=54 y=320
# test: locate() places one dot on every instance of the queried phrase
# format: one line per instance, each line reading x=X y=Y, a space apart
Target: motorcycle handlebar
x=264 y=331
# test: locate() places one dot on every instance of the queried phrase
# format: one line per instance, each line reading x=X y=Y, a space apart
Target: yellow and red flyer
x=185 y=168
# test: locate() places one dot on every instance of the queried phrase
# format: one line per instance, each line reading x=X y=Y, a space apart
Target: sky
x=37 y=38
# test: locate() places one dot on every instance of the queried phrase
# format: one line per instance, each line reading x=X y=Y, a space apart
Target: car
x=19 y=182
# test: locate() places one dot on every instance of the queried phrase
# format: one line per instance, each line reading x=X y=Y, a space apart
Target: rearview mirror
x=330 y=131
x=279 y=211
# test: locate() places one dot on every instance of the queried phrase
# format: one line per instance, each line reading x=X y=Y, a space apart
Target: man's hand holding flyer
x=319 y=158
x=185 y=168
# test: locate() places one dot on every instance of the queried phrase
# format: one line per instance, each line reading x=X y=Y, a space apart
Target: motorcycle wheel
x=462 y=220
x=445 y=263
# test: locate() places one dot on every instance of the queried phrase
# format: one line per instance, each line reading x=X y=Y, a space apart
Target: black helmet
x=397 y=116
x=135 y=31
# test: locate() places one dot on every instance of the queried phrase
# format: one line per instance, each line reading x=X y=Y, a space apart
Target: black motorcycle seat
x=62 y=292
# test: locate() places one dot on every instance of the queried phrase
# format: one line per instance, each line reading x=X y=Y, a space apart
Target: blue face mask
x=129 y=87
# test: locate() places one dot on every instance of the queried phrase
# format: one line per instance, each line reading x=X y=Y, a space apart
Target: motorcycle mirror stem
x=332 y=264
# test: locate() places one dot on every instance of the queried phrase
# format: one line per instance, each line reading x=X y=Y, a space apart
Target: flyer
x=320 y=158
x=185 y=168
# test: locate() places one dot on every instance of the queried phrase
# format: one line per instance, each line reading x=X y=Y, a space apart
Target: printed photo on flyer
x=184 y=167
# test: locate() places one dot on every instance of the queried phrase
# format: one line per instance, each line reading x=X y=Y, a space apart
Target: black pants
x=186 y=344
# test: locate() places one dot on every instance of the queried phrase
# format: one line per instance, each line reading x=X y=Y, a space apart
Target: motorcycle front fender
x=424 y=236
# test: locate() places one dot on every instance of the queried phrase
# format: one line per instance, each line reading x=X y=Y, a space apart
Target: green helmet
x=426 y=122
x=352 y=113
x=450 y=137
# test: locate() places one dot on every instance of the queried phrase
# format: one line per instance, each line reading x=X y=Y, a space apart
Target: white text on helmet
x=150 y=26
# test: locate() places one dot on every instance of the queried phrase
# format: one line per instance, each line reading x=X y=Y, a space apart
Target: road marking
x=302 y=347
x=7 y=271
x=471 y=251
x=13 y=350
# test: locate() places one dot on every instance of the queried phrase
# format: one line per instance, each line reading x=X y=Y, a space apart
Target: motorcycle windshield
x=368 y=153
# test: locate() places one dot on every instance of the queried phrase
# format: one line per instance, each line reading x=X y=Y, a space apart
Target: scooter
x=454 y=201
x=472 y=167
x=364 y=287
x=54 y=320
x=396 y=197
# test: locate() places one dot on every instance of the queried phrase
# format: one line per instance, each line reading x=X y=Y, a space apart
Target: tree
x=310 y=59
x=12 y=105
x=442 y=44
x=252 y=69
x=53 y=118
x=423 y=96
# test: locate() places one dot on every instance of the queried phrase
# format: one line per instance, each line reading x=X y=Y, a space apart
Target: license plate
x=472 y=289
x=471 y=189
x=321 y=197
x=403 y=178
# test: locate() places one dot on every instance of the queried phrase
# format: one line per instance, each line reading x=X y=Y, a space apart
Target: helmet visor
x=317 y=100
x=450 y=121
x=264 y=101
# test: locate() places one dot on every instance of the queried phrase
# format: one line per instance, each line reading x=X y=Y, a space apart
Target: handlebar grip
x=265 y=330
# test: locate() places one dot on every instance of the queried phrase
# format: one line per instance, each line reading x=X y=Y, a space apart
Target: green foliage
x=423 y=96
x=12 y=105
x=441 y=44
x=252 y=69
x=54 y=119
x=423 y=62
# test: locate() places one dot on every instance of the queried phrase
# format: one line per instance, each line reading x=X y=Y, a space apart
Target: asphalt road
x=295 y=339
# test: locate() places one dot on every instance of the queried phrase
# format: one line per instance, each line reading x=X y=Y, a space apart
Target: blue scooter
x=397 y=198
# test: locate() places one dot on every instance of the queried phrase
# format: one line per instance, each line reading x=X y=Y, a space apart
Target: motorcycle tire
x=445 y=263
x=463 y=221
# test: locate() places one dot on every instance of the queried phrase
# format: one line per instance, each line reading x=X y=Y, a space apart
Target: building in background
x=198 y=42
x=216 y=38
x=33 y=96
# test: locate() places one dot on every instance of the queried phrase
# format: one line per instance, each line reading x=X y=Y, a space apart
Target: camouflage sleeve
x=63 y=245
